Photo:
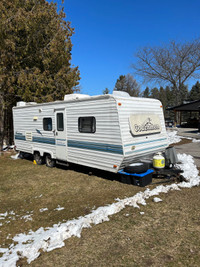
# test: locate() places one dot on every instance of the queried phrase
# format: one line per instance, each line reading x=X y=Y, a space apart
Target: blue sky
x=109 y=32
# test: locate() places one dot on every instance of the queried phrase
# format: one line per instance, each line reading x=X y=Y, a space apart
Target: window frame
x=46 y=128
x=93 y=124
x=59 y=129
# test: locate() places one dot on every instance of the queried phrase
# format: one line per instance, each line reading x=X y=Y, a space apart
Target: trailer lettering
x=146 y=126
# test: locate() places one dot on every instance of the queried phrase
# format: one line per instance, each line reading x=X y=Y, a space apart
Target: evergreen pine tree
x=195 y=92
x=35 y=54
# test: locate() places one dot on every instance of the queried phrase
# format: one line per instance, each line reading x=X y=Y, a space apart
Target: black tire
x=137 y=167
x=50 y=162
x=38 y=158
x=21 y=155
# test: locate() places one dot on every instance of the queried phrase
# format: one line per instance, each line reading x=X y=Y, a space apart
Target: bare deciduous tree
x=174 y=64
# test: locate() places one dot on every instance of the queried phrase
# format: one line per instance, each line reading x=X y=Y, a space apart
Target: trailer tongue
x=141 y=173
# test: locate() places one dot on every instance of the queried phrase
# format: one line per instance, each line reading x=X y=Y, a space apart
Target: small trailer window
x=47 y=124
x=87 y=125
x=60 y=123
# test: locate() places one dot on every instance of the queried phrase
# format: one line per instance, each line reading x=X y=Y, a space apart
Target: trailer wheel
x=137 y=167
x=38 y=158
x=50 y=162
x=21 y=155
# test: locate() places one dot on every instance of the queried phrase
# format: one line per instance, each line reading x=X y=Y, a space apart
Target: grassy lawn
x=167 y=234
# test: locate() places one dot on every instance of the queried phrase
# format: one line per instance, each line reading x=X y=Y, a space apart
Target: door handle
x=54 y=132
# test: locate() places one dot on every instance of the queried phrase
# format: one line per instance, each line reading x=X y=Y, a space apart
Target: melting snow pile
x=29 y=245
x=173 y=137
x=196 y=140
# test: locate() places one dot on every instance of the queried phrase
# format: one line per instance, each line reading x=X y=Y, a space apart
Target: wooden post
x=175 y=118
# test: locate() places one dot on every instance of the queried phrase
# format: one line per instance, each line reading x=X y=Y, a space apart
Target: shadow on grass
x=82 y=169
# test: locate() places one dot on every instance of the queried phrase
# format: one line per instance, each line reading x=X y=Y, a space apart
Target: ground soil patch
x=183 y=141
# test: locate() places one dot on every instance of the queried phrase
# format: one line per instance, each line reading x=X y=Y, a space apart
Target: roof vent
x=31 y=103
x=75 y=97
x=21 y=104
x=121 y=94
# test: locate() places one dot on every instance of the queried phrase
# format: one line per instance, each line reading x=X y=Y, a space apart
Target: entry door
x=60 y=134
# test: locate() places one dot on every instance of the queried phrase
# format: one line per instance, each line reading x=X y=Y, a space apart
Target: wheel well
x=46 y=154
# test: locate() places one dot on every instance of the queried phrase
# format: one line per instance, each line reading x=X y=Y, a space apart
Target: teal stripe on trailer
x=60 y=145
x=132 y=144
x=116 y=149
x=35 y=139
x=45 y=140
x=20 y=137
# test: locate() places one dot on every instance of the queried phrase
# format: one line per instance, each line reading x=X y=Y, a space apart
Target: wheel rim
x=37 y=158
x=48 y=160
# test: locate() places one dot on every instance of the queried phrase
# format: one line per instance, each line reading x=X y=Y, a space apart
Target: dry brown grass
x=22 y=183
x=168 y=234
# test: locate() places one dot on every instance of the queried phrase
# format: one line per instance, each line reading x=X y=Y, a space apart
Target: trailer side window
x=47 y=124
x=87 y=125
x=60 y=123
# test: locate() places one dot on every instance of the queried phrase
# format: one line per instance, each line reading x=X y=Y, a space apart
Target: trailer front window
x=47 y=124
x=87 y=125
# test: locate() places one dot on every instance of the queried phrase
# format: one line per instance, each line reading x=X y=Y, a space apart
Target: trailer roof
x=96 y=97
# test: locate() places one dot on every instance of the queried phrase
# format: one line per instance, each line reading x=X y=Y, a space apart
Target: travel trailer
x=107 y=132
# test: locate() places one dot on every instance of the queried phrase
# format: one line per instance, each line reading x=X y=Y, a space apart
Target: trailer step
x=63 y=163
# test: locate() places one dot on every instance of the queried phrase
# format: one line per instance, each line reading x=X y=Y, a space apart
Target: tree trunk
x=2 y=117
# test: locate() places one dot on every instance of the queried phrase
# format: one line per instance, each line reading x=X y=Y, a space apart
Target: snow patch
x=173 y=137
x=43 y=209
x=15 y=156
x=29 y=245
x=38 y=196
x=157 y=199
x=27 y=217
x=4 y=214
x=59 y=208
x=195 y=140
x=12 y=216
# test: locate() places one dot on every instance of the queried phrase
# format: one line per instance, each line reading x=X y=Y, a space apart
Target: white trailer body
x=105 y=132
